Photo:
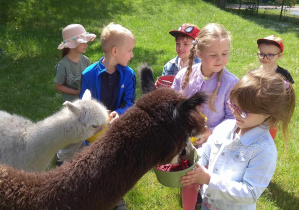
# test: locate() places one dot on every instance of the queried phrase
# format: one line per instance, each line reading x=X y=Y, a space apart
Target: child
x=70 y=68
x=270 y=51
x=184 y=36
x=240 y=154
x=110 y=80
x=212 y=46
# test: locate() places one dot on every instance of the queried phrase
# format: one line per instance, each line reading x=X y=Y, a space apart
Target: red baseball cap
x=271 y=40
x=186 y=29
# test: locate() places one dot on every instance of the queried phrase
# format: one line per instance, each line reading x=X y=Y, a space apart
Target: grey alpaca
x=31 y=146
x=151 y=132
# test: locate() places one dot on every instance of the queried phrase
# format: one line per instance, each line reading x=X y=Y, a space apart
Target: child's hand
x=78 y=91
x=198 y=175
x=114 y=115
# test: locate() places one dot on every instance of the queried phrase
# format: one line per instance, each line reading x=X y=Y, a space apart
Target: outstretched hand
x=114 y=115
x=198 y=175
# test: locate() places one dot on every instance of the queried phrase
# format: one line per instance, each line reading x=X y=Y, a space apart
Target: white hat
x=73 y=35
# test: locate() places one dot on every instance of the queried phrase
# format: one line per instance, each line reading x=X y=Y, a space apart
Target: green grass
x=31 y=31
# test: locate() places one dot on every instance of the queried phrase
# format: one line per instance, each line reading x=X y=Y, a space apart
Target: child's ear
x=280 y=55
x=114 y=51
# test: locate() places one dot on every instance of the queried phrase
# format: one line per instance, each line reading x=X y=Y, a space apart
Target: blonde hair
x=113 y=36
x=205 y=38
x=266 y=93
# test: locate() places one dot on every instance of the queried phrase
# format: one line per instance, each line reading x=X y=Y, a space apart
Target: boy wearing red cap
x=270 y=51
x=184 y=37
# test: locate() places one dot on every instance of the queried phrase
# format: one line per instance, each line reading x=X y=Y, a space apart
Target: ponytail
x=189 y=68
x=65 y=51
x=213 y=96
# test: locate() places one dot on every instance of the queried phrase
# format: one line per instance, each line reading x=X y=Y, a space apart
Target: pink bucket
x=165 y=81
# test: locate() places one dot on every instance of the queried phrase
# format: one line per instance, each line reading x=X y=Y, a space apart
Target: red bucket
x=165 y=81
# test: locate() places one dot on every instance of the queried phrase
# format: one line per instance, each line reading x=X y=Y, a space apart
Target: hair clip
x=286 y=84
x=218 y=84
x=194 y=42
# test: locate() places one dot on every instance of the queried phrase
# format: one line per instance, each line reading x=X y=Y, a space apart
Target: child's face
x=183 y=46
x=252 y=120
x=125 y=51
x=214 y=57
x=267 y=49
x=81 y=48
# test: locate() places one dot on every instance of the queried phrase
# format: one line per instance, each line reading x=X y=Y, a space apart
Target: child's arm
x=128 y=94
x=176 y=85
x=65 y=89
x=84 y=86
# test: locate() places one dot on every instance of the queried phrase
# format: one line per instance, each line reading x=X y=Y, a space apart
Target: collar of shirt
x=253 y=134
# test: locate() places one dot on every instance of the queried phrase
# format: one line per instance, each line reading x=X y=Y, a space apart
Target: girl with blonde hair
x=212 y=46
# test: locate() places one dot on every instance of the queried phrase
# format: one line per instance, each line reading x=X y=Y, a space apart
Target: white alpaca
x=31 y=146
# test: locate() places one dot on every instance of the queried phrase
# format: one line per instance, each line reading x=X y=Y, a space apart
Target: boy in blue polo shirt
x=110 y=80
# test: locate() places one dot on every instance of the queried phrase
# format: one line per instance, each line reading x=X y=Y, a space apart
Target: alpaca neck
x=48 y=136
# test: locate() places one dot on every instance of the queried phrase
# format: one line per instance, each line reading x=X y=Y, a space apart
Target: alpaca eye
x=95 y=126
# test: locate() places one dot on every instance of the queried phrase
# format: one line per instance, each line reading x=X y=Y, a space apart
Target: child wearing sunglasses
x=240 y=154
x=270 y=51
x=184 y=36
x=212 y=46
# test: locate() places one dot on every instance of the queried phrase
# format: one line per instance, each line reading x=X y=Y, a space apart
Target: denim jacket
x=172 y=66
x=241 y=167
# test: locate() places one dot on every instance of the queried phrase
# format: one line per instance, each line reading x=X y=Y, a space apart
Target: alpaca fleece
x=151 y=132
x=31 y=146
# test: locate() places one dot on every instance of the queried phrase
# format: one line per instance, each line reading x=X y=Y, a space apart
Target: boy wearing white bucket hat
x=69 y=69
x=68 y=73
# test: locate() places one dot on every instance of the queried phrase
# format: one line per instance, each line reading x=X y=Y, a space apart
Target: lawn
x=31 y=31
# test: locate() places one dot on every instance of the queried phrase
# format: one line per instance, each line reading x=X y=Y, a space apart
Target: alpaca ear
x=86 y=95
x=146 y=75
x=183 y=110
x=72 y=107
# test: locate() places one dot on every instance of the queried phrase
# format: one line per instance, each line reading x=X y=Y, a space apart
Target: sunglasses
x=233 y=108
x=268 y=56
x=188 y=29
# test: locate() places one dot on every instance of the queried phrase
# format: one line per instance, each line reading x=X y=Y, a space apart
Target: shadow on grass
x=25 y=23
x=282 y=199
x=263 y=18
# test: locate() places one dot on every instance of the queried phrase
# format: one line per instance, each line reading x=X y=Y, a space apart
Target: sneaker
x=121 y=205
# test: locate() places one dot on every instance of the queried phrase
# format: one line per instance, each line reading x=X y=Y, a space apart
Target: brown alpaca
x=151 y=132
